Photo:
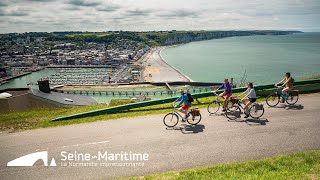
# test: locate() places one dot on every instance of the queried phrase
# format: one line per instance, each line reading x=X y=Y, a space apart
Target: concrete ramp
x=64 y=99
x=168 y=86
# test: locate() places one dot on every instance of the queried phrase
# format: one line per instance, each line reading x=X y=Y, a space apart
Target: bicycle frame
x=279 y=92
x=175 y=115
x=242 y=107
x=175 y=111
x=218 y=98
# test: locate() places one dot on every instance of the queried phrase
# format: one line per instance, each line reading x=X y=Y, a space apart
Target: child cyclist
x=184 y=98
x=249 y=98
x=227 y=92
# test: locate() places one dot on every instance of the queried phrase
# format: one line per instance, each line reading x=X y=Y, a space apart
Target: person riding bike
x=287 y=84
x=227 y=92
x=184 y=98
x=252 y=97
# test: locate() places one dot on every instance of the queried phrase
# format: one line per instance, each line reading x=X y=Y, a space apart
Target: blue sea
x=262 y=59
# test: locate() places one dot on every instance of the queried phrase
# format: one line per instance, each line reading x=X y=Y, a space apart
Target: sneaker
x=246 y=116
x=183 y=120
x=224 y=110
x=282 y=100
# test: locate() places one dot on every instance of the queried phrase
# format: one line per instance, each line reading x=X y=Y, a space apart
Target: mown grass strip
x=302 y=165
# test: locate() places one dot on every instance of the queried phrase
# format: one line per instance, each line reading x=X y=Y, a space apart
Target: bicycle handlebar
x=215 y=93
x=174 y=105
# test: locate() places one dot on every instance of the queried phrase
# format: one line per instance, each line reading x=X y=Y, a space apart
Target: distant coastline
x=244 y=51
x=186 y=38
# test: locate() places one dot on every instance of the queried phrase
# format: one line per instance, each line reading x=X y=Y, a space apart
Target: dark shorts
x=252 y=100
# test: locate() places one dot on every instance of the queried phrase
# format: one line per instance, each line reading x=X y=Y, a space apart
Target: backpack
x=190 y=98
x=292 y=80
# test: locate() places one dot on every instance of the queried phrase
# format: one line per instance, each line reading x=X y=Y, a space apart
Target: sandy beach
x=157 y=70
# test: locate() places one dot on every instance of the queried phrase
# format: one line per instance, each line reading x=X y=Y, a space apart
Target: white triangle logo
x=53 y=162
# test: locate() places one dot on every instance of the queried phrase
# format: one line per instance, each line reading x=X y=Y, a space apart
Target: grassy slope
x=42 y=118
x=17 y=121
x=303 y=165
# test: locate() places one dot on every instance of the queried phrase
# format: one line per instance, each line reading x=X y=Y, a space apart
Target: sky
x=149 y=15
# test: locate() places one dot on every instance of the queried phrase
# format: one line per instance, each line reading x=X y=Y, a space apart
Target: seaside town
x=21 y=56
x=118 y=52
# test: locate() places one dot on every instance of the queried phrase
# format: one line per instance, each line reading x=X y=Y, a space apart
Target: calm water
x=264 y=58
x=21 y=82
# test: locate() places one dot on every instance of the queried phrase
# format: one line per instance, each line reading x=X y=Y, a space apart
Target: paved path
x=160 y=70
x=213 y=141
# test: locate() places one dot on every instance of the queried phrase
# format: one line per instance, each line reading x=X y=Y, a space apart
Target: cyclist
x=227 y=92
x=252 y=97
x=186 y=104
x=287 y=84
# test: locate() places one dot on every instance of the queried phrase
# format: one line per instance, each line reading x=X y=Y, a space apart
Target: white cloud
x=144 y=15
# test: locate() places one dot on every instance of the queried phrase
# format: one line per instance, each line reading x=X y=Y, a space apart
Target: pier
x=136 y=93
x=16 y=76
x=167 y=90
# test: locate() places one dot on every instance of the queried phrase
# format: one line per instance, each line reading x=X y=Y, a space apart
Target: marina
x=73 y=76
x=90 y=76
x=80 y=76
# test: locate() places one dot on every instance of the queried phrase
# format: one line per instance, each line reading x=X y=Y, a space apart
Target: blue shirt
x=183 y=99
x=227 y=87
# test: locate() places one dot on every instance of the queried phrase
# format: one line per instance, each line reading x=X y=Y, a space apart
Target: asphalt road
x=214 y=141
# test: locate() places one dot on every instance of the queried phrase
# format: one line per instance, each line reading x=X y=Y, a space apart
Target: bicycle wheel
x=256 y=113
x=213 y=107
x=193 y=120
x=291 y=100
x=232 y=106
x=170 y=120
x=273 y=100
x=233 y=112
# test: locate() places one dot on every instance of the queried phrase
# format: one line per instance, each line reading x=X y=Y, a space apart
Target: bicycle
x=273 y=99
x=214 y=106
x=172 y=119
x=255 y=111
